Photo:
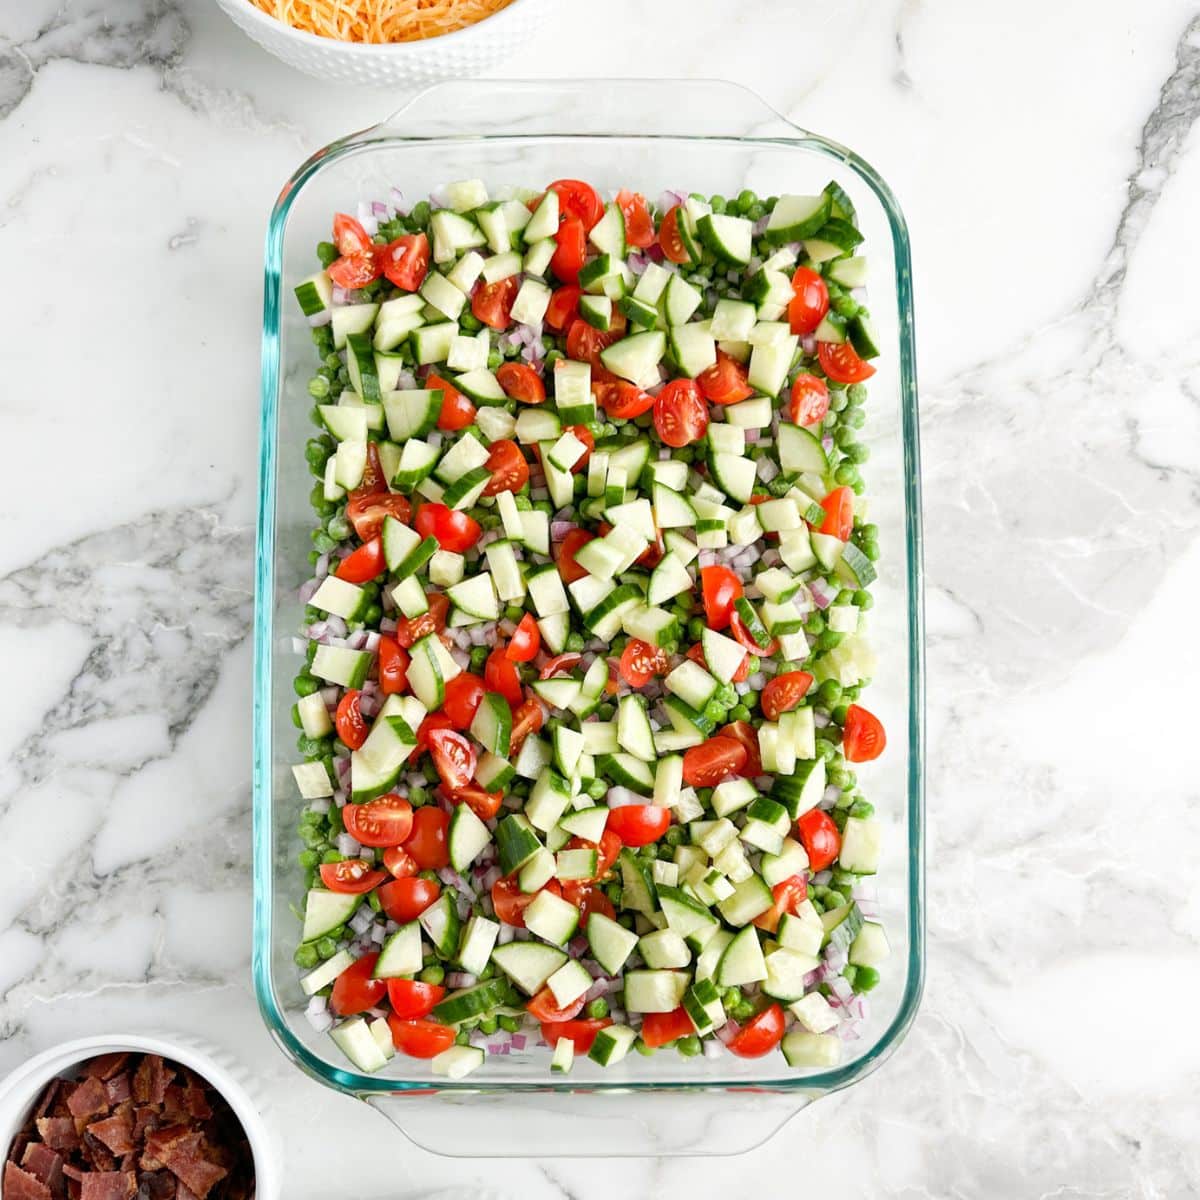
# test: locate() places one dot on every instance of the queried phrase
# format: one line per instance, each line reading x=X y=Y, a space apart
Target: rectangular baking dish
x=650 y=135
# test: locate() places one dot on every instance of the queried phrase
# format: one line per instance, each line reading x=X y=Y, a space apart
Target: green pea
x=839 y=777
x=859 y=485
x=574 y=643
x=478 y=657
x=322 y=541
x=644 y=1050
x=863 y=599
x=814 y=623
x=418 y=796
x=689 y=1046
x=429 y=876
x=514 y=612
x=862 y=809
x=858 y=453
x=826 y=750
x=714 y=710
x=494 y=360
x=650 y=851
x=318 y=387
x=434 y=974
x=844 y=306
x=306 y=956
x=487 y=1025
x=746 y=200
x=857 y=393
x=373 y=615
x=598 y=1009
x=509 y=1024
x=305 y=684
x=717 y=204
x=849 y=972
x=374 y=903
x=596 y=789
x=695 y=628
x=326 y=948
x=837 y=400
x=865 y=978
x=829 y=693
x=827 y=640
x=327 y=252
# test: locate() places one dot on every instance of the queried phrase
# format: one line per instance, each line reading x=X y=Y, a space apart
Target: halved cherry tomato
x=373 y=483
x=820 y=838
x=351 y=876
x=399 y=863
x=462 y=696
x=607 y=849
x=363 y=564
x=669 y=239
x=680 y=414
x=639 y=228
x=510 y=902
x=581 y=1033
x=413 y=629
x=725 y=381
x=584 y=343
x=454 y=530
x=560 y=662
x=640 y=662
x=521 y=383
x=366 y=512
x=528 y=717
x=584 y=434
x=738 y=628
x=568 y=568
x=839 y=513
x=745 y=735
x=354 y=990
x=457 y=411
x=863 y=738
x=492 y=302
x=720 y=587
x=427 y=842
x=761 y=1035
x=351 y=727
x=454 y=757
x=810 y=301
x=841 y=363
x=710 y=762
x=420 y=1039
x=411 y=999
x=349 y=236
x=788 y=895
x=809 y=401
x=570 y=250
x=784 y=692
x=623 y=401
x=406 y=899
x=659 y=1028
x=563 y=309
x=578 y=199
x=543 y=1008
x=406 y=261
x=437 y=720
x=393 y=666
x=384 y=821
x=525 y=642
x=696 y=654
x=588 y=898
x=500 y=675
x=356 y=270
x=485 y=805
x=639 y=824
x=510 y=471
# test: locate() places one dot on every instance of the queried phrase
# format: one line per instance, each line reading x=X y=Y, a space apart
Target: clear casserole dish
x=705 y=136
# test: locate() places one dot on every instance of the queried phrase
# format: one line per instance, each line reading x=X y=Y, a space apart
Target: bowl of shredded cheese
x=388 y=42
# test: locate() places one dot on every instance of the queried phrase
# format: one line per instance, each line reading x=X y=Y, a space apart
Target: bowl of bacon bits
x=132 y=1118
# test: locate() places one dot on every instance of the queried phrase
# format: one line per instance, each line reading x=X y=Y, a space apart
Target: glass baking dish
x=650 y=135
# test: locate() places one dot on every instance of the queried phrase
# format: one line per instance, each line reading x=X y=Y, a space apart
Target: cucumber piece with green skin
x=425 y=677
x=442 y=924
x=827 y=548
x=729 y=238
x=692 y=684
x=854 y=567
x=494 y=772
x=516 y=843
x=638 y=891
x=849 y=272
x=404 y=550
x=341 y=665
x=464 y=491
x=351 y=318
x=612 y=1044
x=552 y=918
x=586 y=823
x=470 y=1002
x=635 y=356
x=741 y=961
x=802 y=1049
x=492 y=724
x=611 y=944
x=528 y=964
x=756 y=630
x=466 y=837
x=842 y=925
x=861 y=841
x=457 y=1062
x=340 y=598
x=356 y=1041
x=654 y=991
x=751 y=898
x=478 y=940
x=710 y=957
x=795 y=218
x=687 y=917
x=360 y=364
x=802 y=790
x=863 y=337
x=702 y=1002
x=870 y=948
x=537 y=872
x=326 y=973
x=623 y=770
x=325 y=911
x=563 y=1057
x=401 y=954
x=315 y=294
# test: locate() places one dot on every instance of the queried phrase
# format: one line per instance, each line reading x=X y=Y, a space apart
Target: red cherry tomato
x=788 y=895
x=720 y=588
x=640 y=662
x=578 y=199
x=820 y=838
x=738 y=628
x=427 y=842
x=366 y=512
x=521 y=383
x=584 y=434
x=784 y=692
x=725 y=381
x=399 y=863
x=528 y=717
x=710 y=762
x=761 y=1035
x=580 y=1033
x=453 y=756
x=839 y=513
x=406 y=261
x=363 y=564
x=606 y=849
x=639 y=824
x=623 y=401
x=680 y=414
x=349 y=236
x=841 y=363
x=746 y=736
x=863 y=738
x=696 y=654
x=492 y=302
x=584 y=343
x=639 y=228
x=413 y=629
x=351 y=727
x=457 y=411
x=406 y=899
x=510 y=902
x=356 y=270
x=810 y=301
x=393 y=666
x=351 y=876
x=411 y=999
x=543 y=1008
x=462 y=696
x=500 y=675
x=563 y=309
x=560 y=664
x=526 y=640
x=658 y=1029
x=809 y=401
x=669 y=239
x=354 y=990
x=420 y=1039
x=588 y=898
x=568 y=568
x=510 y=471
x=454 y=530
x=570 y=250
x=485 y=805
x=384 y=821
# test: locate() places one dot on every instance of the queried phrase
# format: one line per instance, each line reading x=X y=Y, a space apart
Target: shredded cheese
x=380 y=21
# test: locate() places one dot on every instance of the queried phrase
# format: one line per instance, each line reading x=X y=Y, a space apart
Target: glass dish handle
x=463 y=1124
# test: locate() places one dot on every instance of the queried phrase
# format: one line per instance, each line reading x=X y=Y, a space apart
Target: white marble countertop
x=1047 y=160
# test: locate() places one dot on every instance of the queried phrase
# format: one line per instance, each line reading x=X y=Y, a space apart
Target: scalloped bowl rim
x=265 y=21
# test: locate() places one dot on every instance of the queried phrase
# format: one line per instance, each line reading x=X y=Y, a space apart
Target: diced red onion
x=601 y=987
x=841 y=989
x=620 y=797
x=507 y=934
x=827 y=444
x=308 y=590
x=341 y=765
x=713 y=1048
x=757 y=681
x=363 y=919
x=766 y=469
x=299 y=645
x=822 y=878
x=461 y=657
x=349 y=848
x=808 y=343
x=490 y=878
x=539 y=493
x=669 y=199
x=378 y=934
x=811 y=979
x=321 y=805
x=321 y=1021
x=340 y=797
x=461 y=979
x=357 y=640
x=452 y=878
x=760 y=226
x=369 y=705
x=576 y=946
x=317 y=319
x=340 y=295
x=869 y=909
x=728 y=1032
x=823 y=592
x=336 y=627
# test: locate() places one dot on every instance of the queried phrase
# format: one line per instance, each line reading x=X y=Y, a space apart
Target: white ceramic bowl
x=21 y=1089
x=452 y=56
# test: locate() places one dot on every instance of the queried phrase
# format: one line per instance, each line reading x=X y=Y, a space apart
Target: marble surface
x=1047 y=159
